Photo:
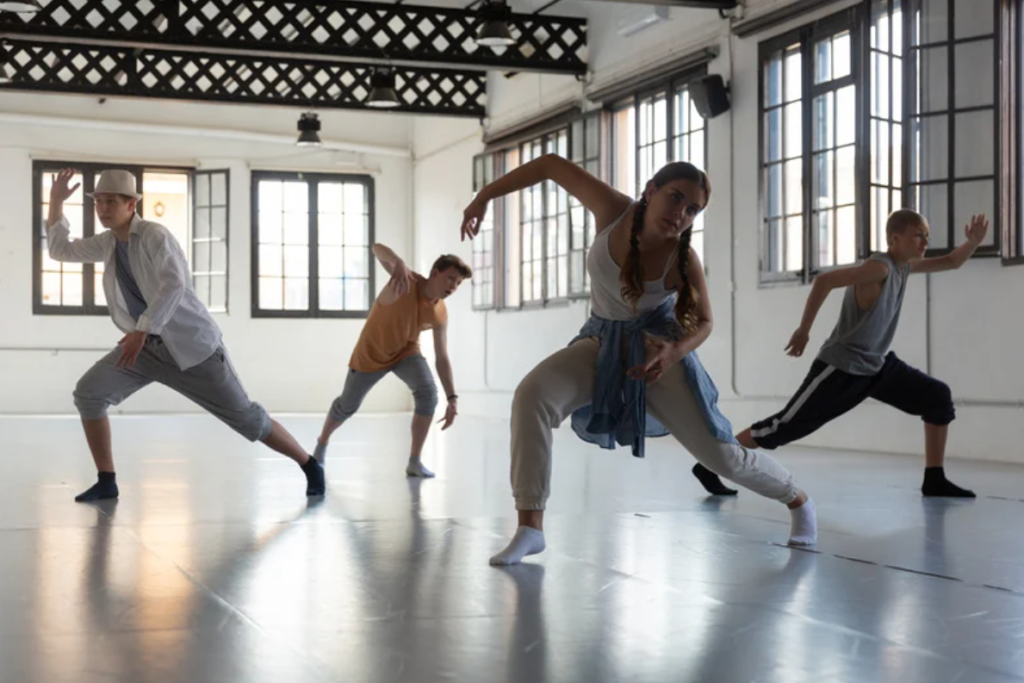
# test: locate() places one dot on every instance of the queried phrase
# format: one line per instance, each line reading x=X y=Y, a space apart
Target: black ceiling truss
x=246 y=79
x=339 y=29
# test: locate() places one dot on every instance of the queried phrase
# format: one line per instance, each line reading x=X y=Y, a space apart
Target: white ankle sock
x=527 y=541
x=804 y=526
x=415 y=468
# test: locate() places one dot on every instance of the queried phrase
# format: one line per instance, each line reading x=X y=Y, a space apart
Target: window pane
x=201 y=257
x=271 y=293
x=823 y=61
x=357 y=230
x=71 y=292
x=930 y=21
x=970 y=199
x=845 y=177
x=846 y=236
x=202 y=189
x=880 y=99
x=975 y=142
x=355 y=198
x=824 y=229
x=880 y=152
x=357 y=262
x=357 y=295
x=773 y=81
x=218 y=293
x=271 y=196
x=271 y=261
x=577 y=141
x=51 y=289
x=932 y=73
x=973 y=72
x=824 y=121
x=329 y=198
x=165 y=199
x=794 y=75
x=296 y=197
x=929 y=149
x=219 y=257
x=270 y=229
x=219 y=189
x=697 y=244
x=773 y=135
x=296 y=261
x=296 y=228
x=773 y=259
x=896 y=104
x=973 y=18
x=219 y=222
x=824 y=183
x=593 y=128
x=794 y=187
x=697 y=155
x=296 y=294
x=841 y=55
x=330 y=265
x=933 y=202
x=332 y=297
x=794 y=244
x=774 y=190
x=880 y=25
x=880 y=211
x=794 y=130
x=846 y=115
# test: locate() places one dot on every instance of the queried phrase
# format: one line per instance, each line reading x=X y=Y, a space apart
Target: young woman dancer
x=650 y=326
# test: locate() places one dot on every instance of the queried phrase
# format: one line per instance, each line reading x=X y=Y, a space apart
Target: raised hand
x=59 y=190
x=473 y=217
x=976 y=230
x=797 y=343
x=401 y=278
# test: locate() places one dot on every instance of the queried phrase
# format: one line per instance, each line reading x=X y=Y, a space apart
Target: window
x=885 y=115
x=653 y=129
x=64 y=288
x=953 y=129
x=312 y=235
x=809 y=100
x=585 y=139
x=544 y=224
x=210 y=239
x=484 y=285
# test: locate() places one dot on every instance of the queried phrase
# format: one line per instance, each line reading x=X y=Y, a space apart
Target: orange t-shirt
x=392 y=331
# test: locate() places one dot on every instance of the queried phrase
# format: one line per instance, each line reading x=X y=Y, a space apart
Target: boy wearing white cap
x=170 y=337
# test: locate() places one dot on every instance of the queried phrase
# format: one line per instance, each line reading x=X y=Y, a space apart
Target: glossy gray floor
x=213 y=567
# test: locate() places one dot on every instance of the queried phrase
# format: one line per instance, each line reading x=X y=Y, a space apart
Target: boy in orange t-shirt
x=389 y=342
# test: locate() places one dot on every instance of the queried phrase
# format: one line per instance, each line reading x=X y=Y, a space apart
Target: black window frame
x=807 y=36
x=226 y=172
x=313 y=311
x=671 y=87
x=950 y=112
x=486 y=169
x=89 y=170
x=580 y=128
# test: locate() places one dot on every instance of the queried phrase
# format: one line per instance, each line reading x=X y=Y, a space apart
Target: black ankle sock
x=104 y=489
x=936 y=484
x=315 y=483
x=711 y=482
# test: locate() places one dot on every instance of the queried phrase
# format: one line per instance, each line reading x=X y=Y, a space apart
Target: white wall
x=287 y=365
x=963 y=327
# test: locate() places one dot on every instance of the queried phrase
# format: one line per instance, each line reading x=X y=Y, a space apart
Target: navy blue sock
x=711 y=482
x=936 y=484
x=315 y=483
x=104 y=489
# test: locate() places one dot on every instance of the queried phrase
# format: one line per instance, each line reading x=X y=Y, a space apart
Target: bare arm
x=601 y=199
x=864 y=273
x=444 y=371
x=401 y=276
x=705 y=318
x=58 y=242
x=975 y=232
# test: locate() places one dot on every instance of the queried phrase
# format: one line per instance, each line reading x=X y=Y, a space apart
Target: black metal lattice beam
x=182 y=75
x=345 y=29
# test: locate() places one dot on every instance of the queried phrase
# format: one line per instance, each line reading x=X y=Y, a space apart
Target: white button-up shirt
x=159 y=265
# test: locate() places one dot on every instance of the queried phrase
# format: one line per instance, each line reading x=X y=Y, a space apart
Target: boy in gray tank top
x=855 y=363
